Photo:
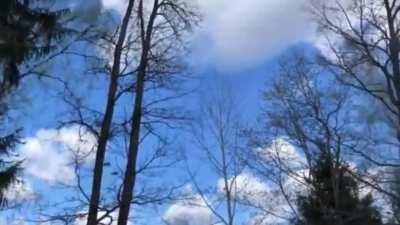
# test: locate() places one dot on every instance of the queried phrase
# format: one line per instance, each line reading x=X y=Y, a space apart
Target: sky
x=238 y=44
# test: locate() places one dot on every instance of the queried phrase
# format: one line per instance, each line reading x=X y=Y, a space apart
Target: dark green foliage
x=8 y=176
x=334 y=198
x=26 y=32
x=9 y=167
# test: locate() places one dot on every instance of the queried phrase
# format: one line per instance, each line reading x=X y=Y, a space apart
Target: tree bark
x=133 y=149
x=394 y=49
x=107 y=120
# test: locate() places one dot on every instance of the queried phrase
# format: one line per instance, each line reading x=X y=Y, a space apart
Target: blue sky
x=238 y=45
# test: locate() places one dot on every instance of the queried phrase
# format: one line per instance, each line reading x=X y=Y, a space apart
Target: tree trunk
x=394 y=49
x=107 y=120
x=130 y=172
x=133 y=151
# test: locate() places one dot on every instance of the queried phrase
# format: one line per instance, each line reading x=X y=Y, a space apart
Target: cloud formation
x=118 y=5
x=241 y=34
x=281 y=151
x=248 y=187
x=50 y=153
x=189 y=212
x=244 y=33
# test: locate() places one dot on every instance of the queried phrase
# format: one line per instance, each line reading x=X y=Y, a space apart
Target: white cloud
x=282 y=152
x=118 y=5
x=282 y=189
x=277 y=206
x=254 y=191
x=267 y=196
x=247 y=187
x=189 y=212
x=244 y=33
x=110 y=219
x=296 y=183
x=50 y=153
x=20 y=192
x=241 y=33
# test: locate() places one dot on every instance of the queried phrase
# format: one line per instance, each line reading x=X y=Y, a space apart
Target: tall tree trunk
x=130 y=172
x=394 y=50
x=107 y=120
x=227 y=182
x=133 y=151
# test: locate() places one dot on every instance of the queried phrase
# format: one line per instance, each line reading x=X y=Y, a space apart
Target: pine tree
x=8 y=169
x=27 y=32
x=395 y=199
x=334 y=198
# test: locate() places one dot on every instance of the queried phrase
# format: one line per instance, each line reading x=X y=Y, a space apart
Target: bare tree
x=311 y=112
x=363 y=49
x=31 y=35
x=363 y=52
x=216 y=133
x=163 y=77
x=107 y=118
x=160 y=32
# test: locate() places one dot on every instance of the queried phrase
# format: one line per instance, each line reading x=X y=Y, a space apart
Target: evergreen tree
x=334 y=198
x=27 y=32
x=8 y=140
x=8 y=168
x=394 y=200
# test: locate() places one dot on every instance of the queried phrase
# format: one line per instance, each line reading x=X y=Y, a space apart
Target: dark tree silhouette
x=8 y=169
x=107 y=118
x=160 y=33
x=343 y=206
x=27 y=32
